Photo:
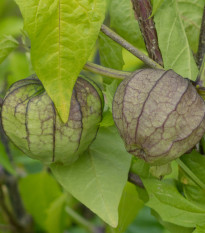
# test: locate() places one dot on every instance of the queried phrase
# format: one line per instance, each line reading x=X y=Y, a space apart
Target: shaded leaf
x=130 y=205
x=60 y=50
x=172 y=207
x=123 y=21
x=55 y=215
x=98 y=177
x=196 y=163
x=38 y=191
x=7 y=45
x=173 y=41
x=199 y=229
x=190 y=12
x=110 y=52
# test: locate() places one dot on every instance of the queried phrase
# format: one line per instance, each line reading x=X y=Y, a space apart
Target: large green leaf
x=62 y=35
x=7 y=45
x=190 y=11
x=110 y=52
x=98 y=177
x=173 y=41
x=38 y=191
x=123 y=21
x=130 y=205
x=171 y=205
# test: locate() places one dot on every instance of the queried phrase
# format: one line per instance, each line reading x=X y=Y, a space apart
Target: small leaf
x=110 y=92
x=173 y=41
x=60 y=49
x=7 y=45
x=172 y=207
x=155 y=6
x=107 y=120
x=110 y=53
x=38 y=191
x=98 y=177
x=196 y=163
x=130 y=205
x=199 y=229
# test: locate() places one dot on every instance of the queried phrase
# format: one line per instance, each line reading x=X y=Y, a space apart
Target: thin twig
x=201 y=47
x=136 y=52
x=98 y=69
x=143 y=11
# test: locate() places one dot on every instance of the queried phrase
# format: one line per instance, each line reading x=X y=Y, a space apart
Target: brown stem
x=23 y=220
x=143 y=10
x=201 y=47
x=135 y=179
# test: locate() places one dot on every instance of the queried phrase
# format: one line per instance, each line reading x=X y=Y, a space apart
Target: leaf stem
x=190 y=173
x=136 y=52
x=80 y=220
x=108 y=72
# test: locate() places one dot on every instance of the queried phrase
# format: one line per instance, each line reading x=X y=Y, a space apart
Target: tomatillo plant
x=109 y=96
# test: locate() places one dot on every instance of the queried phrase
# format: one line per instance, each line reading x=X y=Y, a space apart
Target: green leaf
x=55 y=215
x=110 y=92
x=11 y=26
x=38 y=191
x=7 y=45
x=196 y=163
x=190 y=12
x=63 y=34
x=4 y=160
x=130 y=205
x=123 y=21
x=172 y=207
x=155 y=6
x=98 y=177
x=173 y=41
x=199 y=229
x=110 y=52
x=145 y=223
x=173 y=228
x=107 y=120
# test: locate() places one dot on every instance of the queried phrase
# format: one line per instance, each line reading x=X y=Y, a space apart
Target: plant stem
x=201 y=47
x=80 y=220
x=135 y=179
x=143 y=11
x=190 y=173
x=136 y=52
x=108 y=72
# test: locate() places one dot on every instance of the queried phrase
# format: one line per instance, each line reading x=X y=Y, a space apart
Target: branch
x=201 y=47
x=23 y=220
x=143 y=10
x=135 y=179
x=136 y=52
x=97 y=69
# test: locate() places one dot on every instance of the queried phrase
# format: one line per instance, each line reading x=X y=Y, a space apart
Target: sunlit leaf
x=62 y=35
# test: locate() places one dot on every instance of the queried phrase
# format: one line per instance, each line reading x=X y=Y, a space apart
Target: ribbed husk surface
x=31 y=121
x=159 y=115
